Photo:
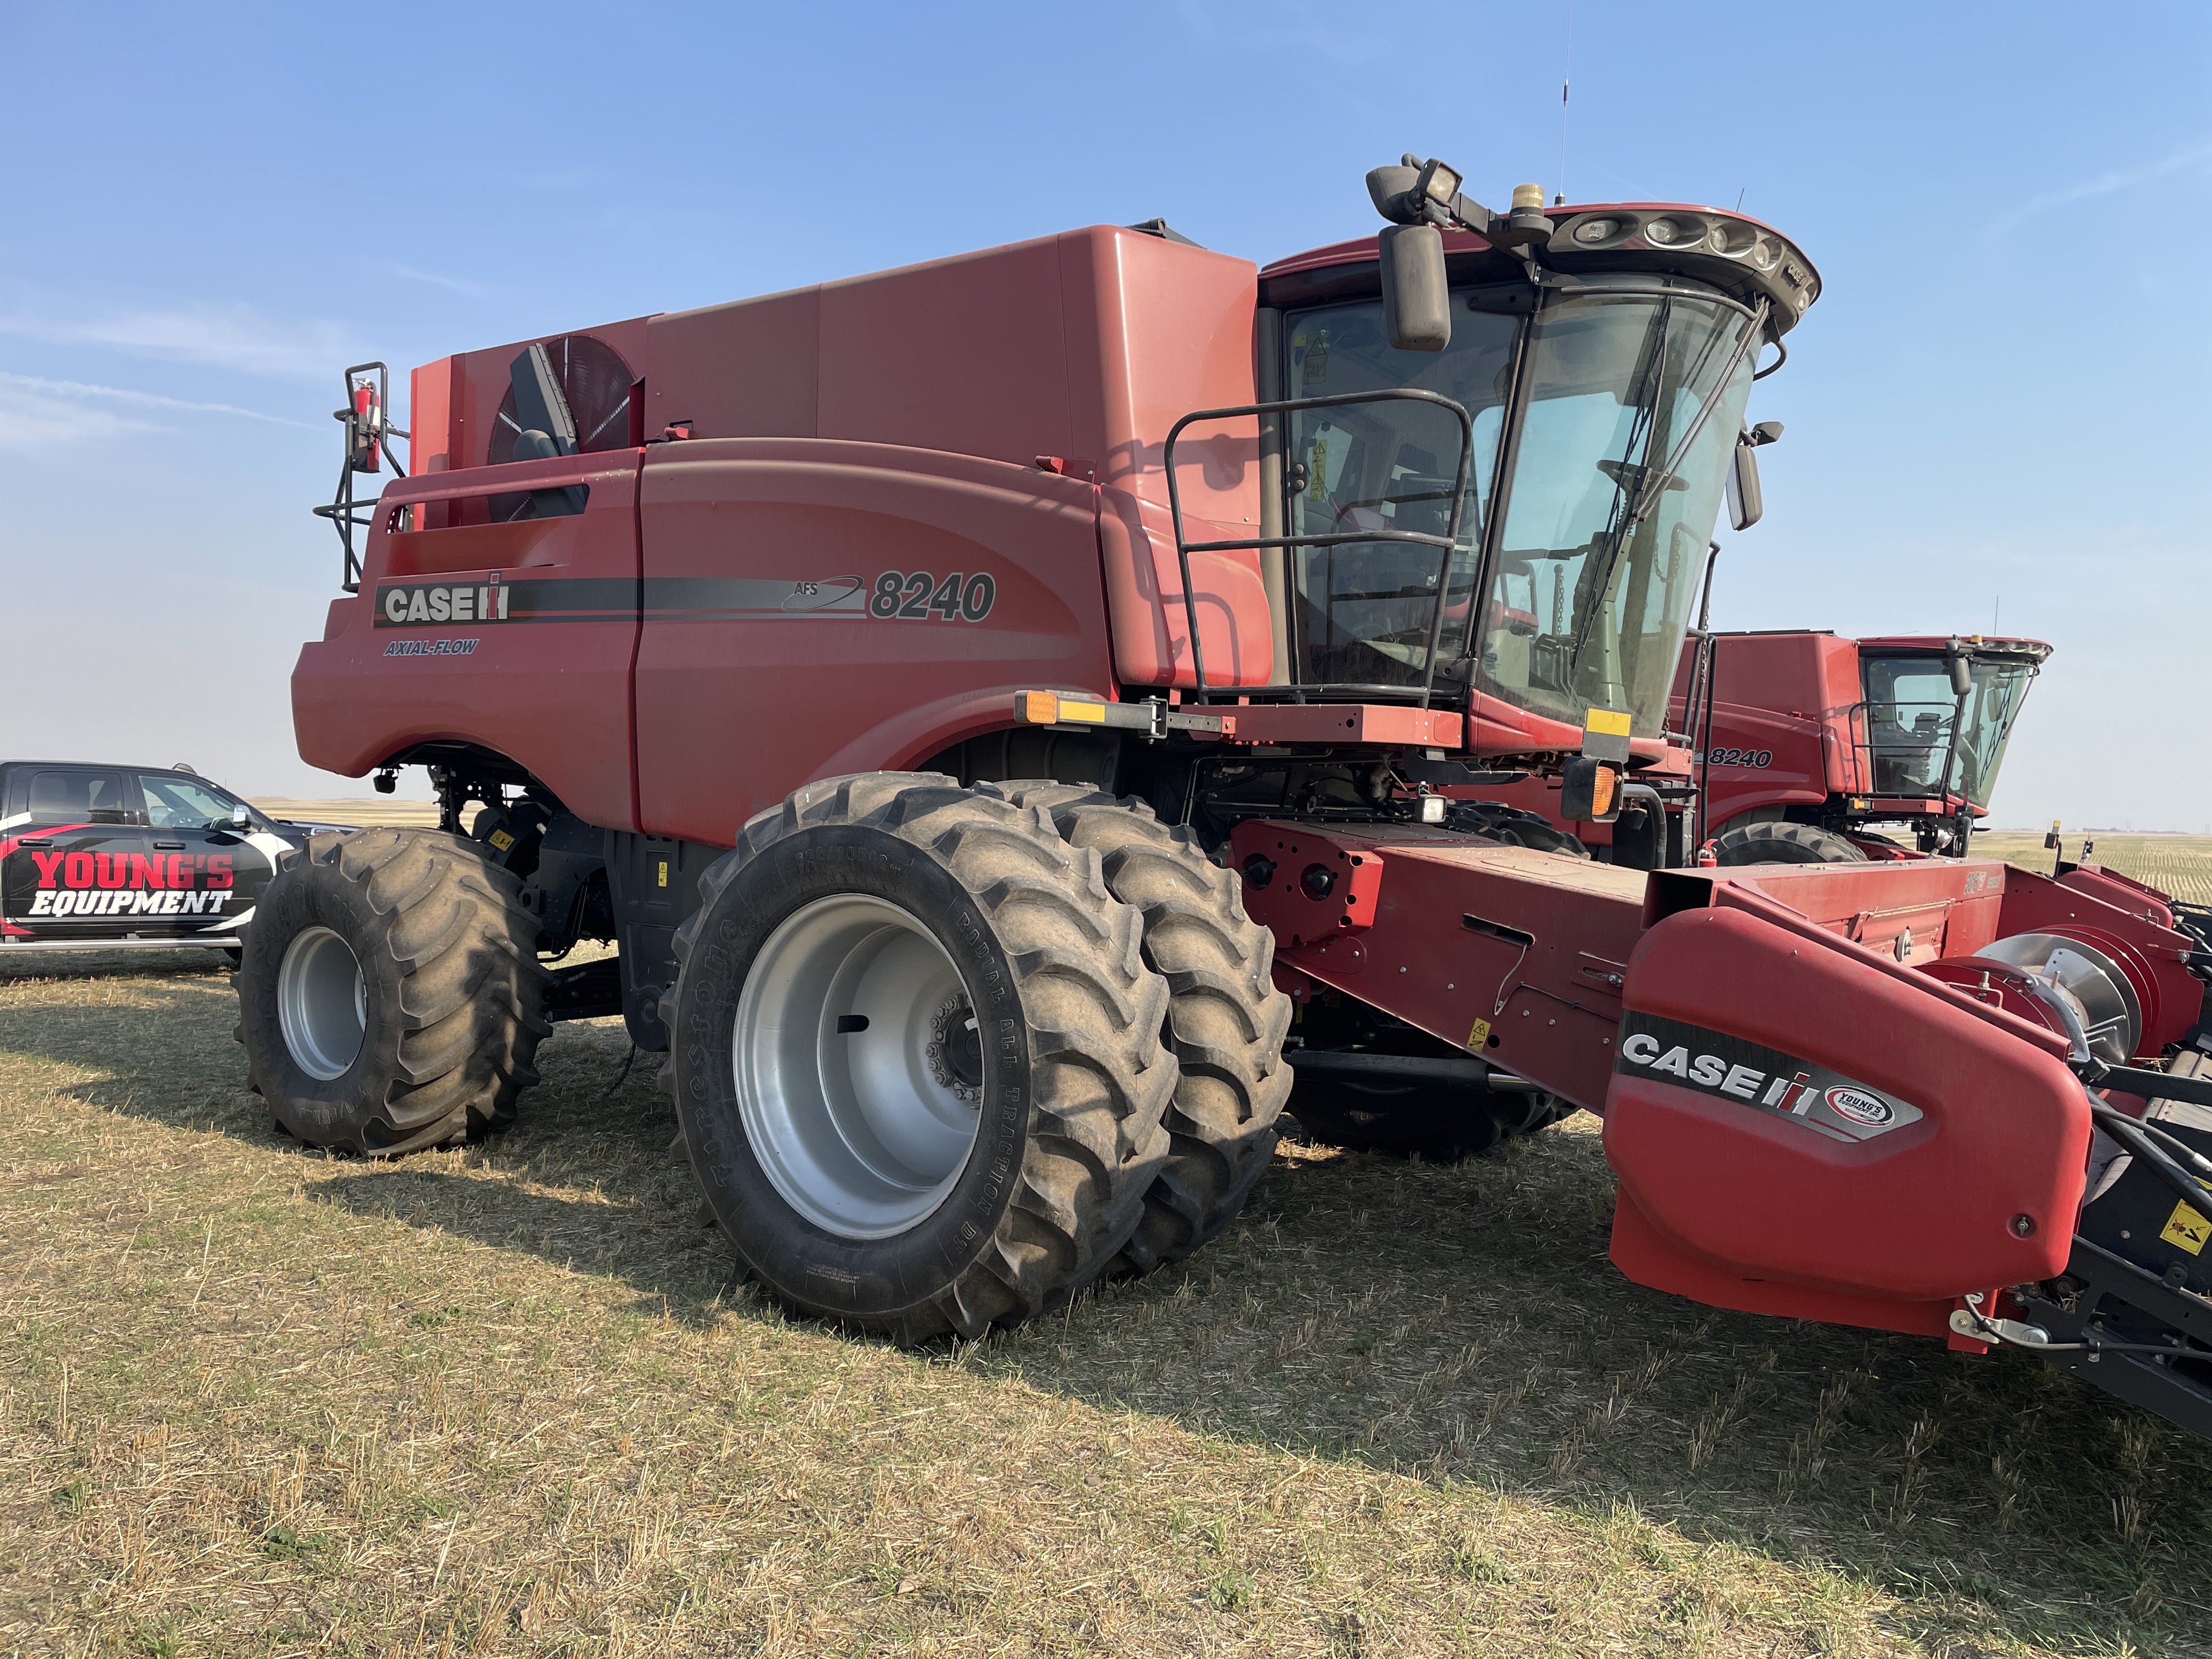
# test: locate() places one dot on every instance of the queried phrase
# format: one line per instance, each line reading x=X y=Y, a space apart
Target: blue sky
x=208 y=212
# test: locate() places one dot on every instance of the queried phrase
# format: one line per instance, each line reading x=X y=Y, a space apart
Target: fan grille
x=597 y=383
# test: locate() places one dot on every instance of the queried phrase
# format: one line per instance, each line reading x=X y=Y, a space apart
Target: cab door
x=66 y=853
x=204 y=875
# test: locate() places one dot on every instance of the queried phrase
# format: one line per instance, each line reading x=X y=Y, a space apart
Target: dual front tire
x=945 y=1056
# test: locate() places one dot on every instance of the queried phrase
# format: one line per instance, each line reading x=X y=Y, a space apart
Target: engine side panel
x=516 y=636
x=802 y=617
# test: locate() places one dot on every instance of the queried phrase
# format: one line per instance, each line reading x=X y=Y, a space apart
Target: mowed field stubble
x=508 y=1399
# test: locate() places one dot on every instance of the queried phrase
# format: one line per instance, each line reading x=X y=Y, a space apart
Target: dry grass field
x=506 y=1400
x=2179 y=865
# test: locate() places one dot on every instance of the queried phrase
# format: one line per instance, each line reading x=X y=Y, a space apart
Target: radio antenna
x=1566 y=65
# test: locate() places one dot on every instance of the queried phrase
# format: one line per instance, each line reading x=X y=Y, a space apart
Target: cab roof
x=1739 y=255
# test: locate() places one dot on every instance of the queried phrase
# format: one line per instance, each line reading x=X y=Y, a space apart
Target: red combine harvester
x=1000 y=710
x=1792 y=745
x=1808 y=740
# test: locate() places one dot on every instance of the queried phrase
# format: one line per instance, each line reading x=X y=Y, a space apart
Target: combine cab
x=1011 y=715
x=1808 y=741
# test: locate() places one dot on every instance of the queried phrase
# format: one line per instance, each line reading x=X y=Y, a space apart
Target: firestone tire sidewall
x=306 y=893
x=862 y=1278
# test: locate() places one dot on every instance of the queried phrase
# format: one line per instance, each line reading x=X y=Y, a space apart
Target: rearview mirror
x=1416 y=298
x=241 y=816
x=1746 y=504
x=1962 y=675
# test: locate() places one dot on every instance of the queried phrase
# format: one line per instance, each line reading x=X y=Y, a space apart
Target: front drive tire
x=390 y=998
x=1225 y=1017
x=916 y=1056
x=1767 y=843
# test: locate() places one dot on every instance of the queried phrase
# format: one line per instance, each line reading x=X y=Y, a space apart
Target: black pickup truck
x=119 y=858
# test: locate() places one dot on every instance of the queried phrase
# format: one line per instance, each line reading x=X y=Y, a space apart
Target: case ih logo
x=130 y=884
x=1730 y=1068
x=395 y=607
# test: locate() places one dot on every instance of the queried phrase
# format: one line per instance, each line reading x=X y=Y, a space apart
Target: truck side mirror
x=1416 y=297
x=1962 y=674
x=241 y=817
x=1744 y=503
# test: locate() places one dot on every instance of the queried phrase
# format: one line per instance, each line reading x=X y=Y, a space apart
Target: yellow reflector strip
x=1093 y=713
x=1039 y=708
x=1613 y=722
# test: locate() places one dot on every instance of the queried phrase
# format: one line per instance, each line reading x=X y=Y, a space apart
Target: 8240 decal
x=1741 y=758
x=918 y=596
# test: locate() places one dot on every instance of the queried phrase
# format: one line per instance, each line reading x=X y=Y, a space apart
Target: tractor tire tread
x=1226 y=1021
x=1101 y=1078
x=1772 y=842
x=453 y=950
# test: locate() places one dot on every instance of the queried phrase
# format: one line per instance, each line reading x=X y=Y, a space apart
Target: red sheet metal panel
x=517 y=636
x=802 y=618
x=1946 y=1156
x=1513 y=954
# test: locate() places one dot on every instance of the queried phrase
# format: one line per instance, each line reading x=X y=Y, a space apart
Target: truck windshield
x=1596 y=562
x=1910 y=712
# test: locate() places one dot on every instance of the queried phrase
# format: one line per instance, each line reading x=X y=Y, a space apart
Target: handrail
x=1859 y=715
x=1448 y=543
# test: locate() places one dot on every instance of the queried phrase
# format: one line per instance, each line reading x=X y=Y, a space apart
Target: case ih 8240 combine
x=1808 y=740
x=1791 y=744
x=999 y=709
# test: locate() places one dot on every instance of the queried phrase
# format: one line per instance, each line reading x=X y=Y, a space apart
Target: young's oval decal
x=1860 y=1107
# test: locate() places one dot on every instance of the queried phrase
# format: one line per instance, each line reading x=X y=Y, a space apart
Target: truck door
x=66 y=850
x=202 y=875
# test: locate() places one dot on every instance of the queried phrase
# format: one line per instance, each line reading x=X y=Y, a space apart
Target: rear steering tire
x=916 y=1056
x=1784 y=844
x=1225 y=1017
x=390 y=997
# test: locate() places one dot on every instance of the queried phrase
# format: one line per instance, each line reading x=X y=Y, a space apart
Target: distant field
x=2180 y=865
x=367 y=814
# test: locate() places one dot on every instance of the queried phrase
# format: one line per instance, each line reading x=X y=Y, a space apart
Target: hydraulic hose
x=2130 y=1134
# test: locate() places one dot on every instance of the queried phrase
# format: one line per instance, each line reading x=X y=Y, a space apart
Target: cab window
x=179 y=802
x=73 y=795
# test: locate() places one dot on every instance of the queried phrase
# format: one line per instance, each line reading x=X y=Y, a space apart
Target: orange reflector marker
x=1038 y=707
x=1089 y=713
x=1602 y=792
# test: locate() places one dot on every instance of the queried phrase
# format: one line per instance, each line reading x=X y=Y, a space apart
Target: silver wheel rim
x=322 y=1003
x=858 y=1066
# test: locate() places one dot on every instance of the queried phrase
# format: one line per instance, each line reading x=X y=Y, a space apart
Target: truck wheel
x=1784 y=844
x=391 y=997
x=916 y=1055
x=1226 y=1018
x=1410 y=1121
